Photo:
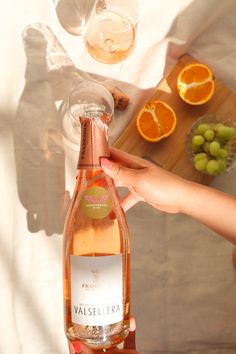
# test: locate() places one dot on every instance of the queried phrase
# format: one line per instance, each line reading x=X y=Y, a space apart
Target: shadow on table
x=39 y=154
x=50 y=76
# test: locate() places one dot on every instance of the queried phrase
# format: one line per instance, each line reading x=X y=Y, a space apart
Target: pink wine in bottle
x=96 y=249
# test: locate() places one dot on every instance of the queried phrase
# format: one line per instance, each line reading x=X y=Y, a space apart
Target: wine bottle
x=96 y=248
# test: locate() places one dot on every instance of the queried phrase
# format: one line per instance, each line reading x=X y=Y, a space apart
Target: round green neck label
x=96 y=203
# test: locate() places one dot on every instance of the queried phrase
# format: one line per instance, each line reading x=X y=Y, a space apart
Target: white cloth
x=183 y=282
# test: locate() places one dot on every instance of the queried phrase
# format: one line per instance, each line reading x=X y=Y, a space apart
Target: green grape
x=231 y=133
x=223 y=153
x=200 y=156
x=202 y=128
x=195 y=148
x=226 y=133
x=221 y=141
x=198 y=140
x=227 y=147
x=200 y=165
x=212 y=167
x=215 y=148
x=206 y=146
x=217 y=126
x=209 y=135
x=222 y=165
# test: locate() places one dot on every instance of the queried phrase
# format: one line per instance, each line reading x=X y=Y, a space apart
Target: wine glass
x=110 y=30
x=87 y=99
x=73 y=14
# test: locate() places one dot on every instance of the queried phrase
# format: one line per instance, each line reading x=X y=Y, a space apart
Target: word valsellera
x=97 y=311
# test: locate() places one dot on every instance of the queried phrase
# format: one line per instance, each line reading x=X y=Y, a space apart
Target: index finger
x=127 y=160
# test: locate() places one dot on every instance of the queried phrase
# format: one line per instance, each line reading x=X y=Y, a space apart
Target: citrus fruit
x=156 y=121
x=195 y=84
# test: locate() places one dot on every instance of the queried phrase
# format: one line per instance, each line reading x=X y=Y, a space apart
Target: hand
x=146 y=182
x=77 y=347
x=168 y=192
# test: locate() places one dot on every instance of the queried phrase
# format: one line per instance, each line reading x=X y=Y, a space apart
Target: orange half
x=155 y=121
x=195 y=84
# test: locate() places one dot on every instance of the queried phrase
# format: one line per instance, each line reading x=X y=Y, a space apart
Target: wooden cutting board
x=170 y=153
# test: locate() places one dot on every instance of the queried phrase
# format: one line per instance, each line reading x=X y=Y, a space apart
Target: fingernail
x=107 y=163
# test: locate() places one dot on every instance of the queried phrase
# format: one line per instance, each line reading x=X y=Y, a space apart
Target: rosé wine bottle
x=96 y=248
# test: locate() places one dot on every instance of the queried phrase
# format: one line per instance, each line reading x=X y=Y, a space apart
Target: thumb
x=76 y=347
x=130 y=340
x=119 y=172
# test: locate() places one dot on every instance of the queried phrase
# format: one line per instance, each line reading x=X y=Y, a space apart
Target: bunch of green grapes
x=211 y=146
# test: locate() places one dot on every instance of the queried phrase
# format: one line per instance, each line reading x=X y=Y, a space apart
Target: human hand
x=171 y=193
x=146 y=182
x=77 y=347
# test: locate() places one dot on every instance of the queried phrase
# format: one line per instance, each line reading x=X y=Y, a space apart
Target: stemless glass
x=73 y=14
x=87 y=99
x=110 y=30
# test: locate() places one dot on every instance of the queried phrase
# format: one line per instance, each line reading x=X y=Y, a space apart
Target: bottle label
x=96 y=290
x=96 y=203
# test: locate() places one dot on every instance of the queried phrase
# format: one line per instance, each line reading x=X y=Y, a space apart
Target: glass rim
x=132 y=17
x=89 y=84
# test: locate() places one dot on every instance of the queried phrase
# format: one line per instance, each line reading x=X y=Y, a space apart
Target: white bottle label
x=96 y=290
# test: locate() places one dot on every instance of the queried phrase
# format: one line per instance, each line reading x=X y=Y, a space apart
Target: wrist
x=187 y=201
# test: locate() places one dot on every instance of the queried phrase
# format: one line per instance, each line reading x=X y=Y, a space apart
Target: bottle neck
x=94 y=143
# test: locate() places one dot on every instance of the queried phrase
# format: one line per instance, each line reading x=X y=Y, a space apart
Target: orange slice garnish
x=156 y=121
x=195 y=84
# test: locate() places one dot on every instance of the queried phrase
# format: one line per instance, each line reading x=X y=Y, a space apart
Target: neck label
x=96 y=203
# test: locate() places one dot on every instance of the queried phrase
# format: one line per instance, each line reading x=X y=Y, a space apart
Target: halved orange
x=195 y=84
x=155 y=121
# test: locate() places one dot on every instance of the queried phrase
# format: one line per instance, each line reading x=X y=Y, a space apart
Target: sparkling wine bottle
x=96 y=248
